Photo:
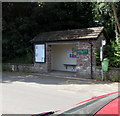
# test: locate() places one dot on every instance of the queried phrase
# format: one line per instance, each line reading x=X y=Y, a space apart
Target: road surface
x=29 y=93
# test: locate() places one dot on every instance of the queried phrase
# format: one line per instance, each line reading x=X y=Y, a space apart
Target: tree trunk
x=116 y=18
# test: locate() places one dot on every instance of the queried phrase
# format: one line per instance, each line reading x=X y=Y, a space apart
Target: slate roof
x=68 y=35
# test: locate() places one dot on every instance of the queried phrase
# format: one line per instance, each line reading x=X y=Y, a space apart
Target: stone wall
x=84 y=60
x=48 y=57
x=113 y=74
x=40 y=67
x=24 y=67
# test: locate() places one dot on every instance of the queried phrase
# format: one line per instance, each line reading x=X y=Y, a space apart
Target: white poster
x=40 y=53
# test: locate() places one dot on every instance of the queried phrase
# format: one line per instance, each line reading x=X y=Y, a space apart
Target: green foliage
x=61 y=16
x=115 y=78
x=97 y=53
x=112 y=52
x=103 y=15
x=24 y=59
x=107 y=77
x=18 y=30
x=7 y=69
x=103 y=12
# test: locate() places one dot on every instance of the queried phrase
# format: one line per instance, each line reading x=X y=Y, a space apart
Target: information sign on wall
x=40 y=53
x=73 y=53
x=81 y=51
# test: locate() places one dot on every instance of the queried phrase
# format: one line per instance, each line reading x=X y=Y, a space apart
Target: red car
x=105 y=104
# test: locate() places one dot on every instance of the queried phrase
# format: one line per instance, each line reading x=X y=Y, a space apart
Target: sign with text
x=81 y=51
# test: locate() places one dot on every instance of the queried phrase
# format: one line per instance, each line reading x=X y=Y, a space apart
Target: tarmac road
x=28 y=93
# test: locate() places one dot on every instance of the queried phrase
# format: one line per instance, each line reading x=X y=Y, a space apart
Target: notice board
x=40 y=53
x=82 y=51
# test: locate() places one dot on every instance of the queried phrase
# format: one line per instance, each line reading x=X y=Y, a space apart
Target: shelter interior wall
x=60 y=55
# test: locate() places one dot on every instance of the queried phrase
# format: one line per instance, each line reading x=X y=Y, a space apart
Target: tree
x=108 y=14
x=117 y=24
x=23 y=21
x=17 y=29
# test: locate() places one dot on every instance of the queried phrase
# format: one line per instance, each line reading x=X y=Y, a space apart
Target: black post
x=91 y=50
x=91 y=62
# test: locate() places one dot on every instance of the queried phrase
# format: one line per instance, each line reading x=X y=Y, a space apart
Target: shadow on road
x=47 y=78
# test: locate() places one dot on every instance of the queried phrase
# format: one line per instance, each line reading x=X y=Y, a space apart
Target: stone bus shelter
x=68 y=50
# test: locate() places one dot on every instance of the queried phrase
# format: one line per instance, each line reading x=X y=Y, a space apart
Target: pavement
x=28 y=93
x=50 y=78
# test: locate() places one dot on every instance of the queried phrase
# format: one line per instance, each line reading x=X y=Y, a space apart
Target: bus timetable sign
x=81 y=51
